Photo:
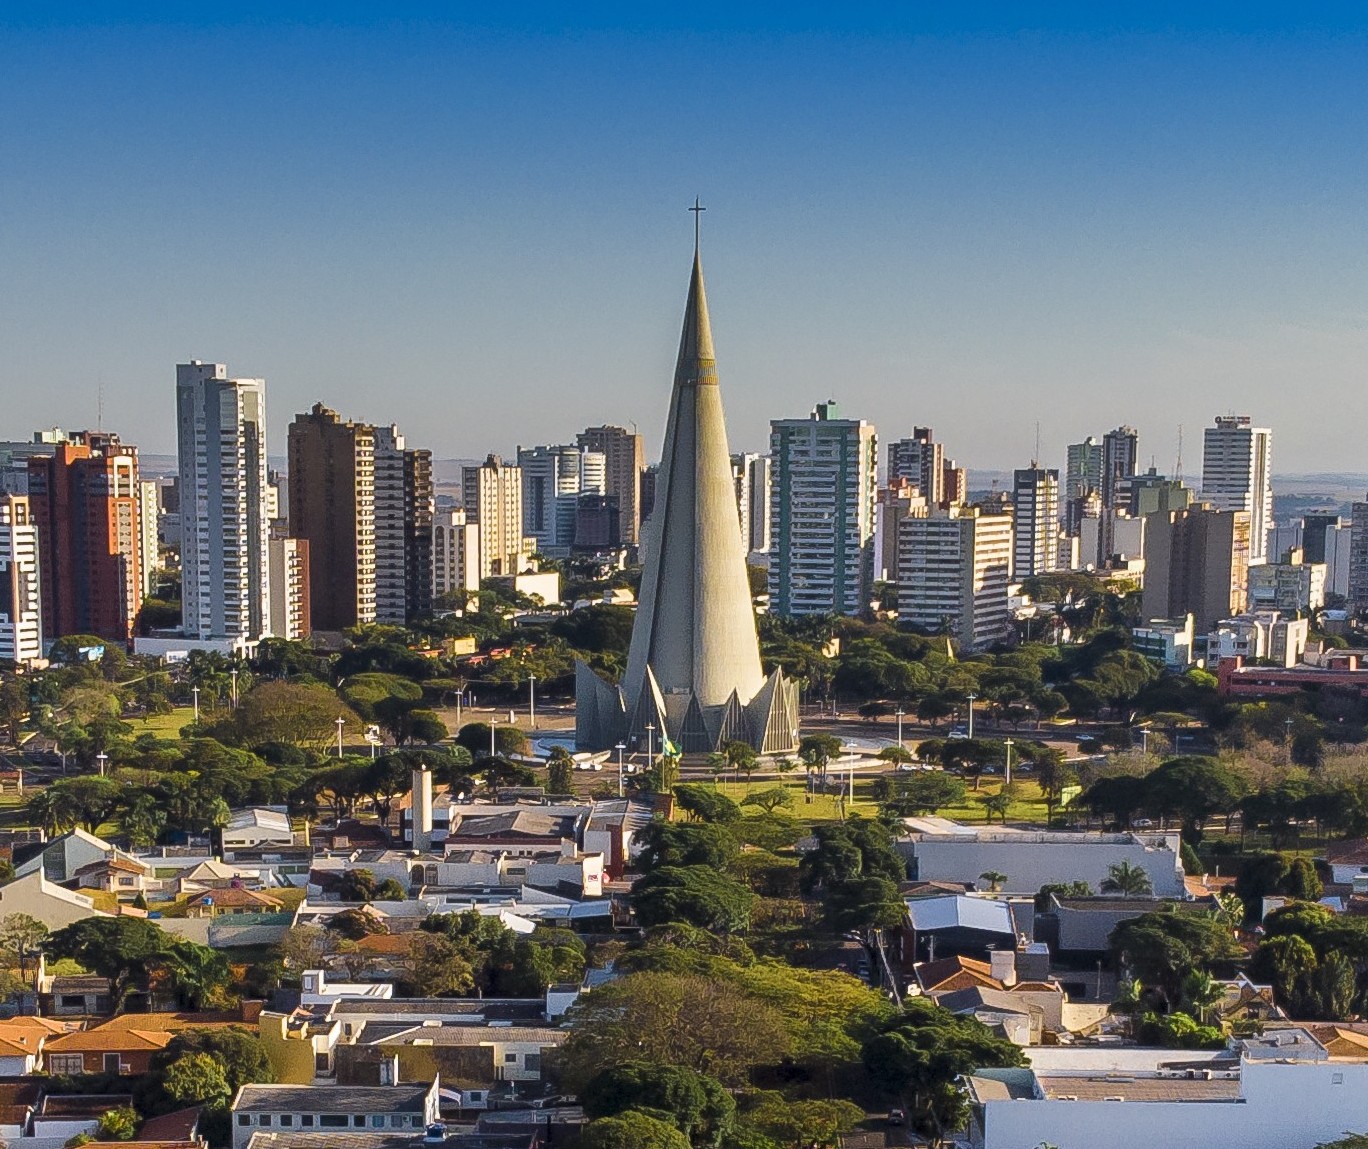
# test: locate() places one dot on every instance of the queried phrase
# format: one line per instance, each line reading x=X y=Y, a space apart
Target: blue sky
x=475 y=226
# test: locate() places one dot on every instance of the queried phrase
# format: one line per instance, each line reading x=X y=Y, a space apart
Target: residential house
x=1347 y=860
x=126 y=1043
x=955 y=924
x=299 y=1044
x=327 y=1109
x=233 y=900
x=40 y=897
x=123 y=876
x=18 y=1100
x=21 y=1044
x=465 y=1056
x=257 y=827
x=74 y=995
x=60 y=1117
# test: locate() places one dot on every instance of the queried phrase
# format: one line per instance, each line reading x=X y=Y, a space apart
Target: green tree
x=196 y=974
x=787 y=1121
x=1160 y=949
x=771 y=799
x=437 y=966
x=560 y=775
x=923 y=1052
x=121 y=949
x=697 y=895
x=704 y=804
x=357 y=885
x=995 y=879
x=1127 y=880
x=632 y=1130
x=508 y=740
x=662 y=843
x=118 y=1124
x=21 y=940
x=196 y=1078
x=698 y=1105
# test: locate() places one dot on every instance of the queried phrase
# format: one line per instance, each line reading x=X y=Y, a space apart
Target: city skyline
x=921 y=221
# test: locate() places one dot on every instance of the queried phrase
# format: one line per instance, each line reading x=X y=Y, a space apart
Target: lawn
x=1027 y=804
x=164 y=725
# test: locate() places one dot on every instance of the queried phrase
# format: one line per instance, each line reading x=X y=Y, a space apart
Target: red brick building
x=84 y=499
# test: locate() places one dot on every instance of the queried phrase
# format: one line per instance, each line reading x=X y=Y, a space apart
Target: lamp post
x=194 y=691
x=492 y=723
x=233 y=675
x=1007 y=777
x=1144 y=741
x=341 y=722
x=650 y=745
x=901 y=712
x=102 y=758
x=531 y=703
x=620 y=747
x=972 y=697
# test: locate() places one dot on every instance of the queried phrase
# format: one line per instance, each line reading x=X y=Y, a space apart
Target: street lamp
x=492 y=723
x=1008 y=775
x=194 y=690
x=1144 y=740
x=102 y=757
x=341 y=722
x=650 y=745
x=972 y=697
x=531 y=702
x=620 y=747
x=233 y=675
x=901 y=712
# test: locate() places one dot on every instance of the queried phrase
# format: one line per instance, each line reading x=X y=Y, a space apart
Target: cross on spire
x=696 y=209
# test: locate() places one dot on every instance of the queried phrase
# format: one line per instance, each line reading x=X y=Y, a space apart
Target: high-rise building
x=895 y=503
x=1082 y=476
x=553 y=479
x=1293 y=586
x=623 y=463
x=455 y=555
x=85 y=500
x=221 y=440
x=1237 y=475
x=1152 y=492
x=288 y=571
x=332 y=507
x=1035 y=521
x=919 y=460
x=1120 y=461
x=403 y=528
x=21 y=597
x=1314 y=531
x=492 y=494
x=149 y=553
x=1357 y=582
x=751 y=478
x=954 y=565
x=822 y=499
x=954 y=485
x=1196 y=562
x=693 y=680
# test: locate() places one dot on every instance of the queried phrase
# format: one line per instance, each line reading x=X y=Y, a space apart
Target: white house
x=257 y=826
x=1279 y=1091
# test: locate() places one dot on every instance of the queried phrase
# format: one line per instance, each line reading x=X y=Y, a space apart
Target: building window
x=510 y=1058
x=244 y=1119
x=332 y=1120
x=359 y=1120
x=265 y=1120
x=111 y=1063
x=287 y=1119
x=1337 y=1079
x=66 y=1063
x=377 y=1122
x=306 y=1120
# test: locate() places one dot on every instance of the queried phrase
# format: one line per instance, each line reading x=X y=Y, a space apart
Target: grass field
x=164 y=725
x=1027 y=804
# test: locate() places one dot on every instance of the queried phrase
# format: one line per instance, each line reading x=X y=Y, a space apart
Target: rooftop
x=1138 y=1087
x=330 y=1099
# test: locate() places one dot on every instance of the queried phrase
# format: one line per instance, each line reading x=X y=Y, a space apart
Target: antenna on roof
x=1036 y=461
x=1178 y=462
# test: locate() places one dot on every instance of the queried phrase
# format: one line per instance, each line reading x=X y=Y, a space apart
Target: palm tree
x=994 y=879
x=997 y=804
x=1127 y=880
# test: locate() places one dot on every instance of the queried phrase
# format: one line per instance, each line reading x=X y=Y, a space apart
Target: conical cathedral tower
x=693 y=670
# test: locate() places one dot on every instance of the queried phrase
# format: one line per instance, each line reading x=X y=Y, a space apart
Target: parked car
x=1141 y=824
x=957 y=734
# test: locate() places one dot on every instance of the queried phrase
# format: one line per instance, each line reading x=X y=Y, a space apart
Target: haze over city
x=475 y=225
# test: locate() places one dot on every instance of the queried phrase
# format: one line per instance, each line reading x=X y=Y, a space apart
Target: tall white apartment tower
x=954 y=565
x=492 y=494
x=553 y=479
x=149 y=507
x=823 y=491
x=21 y=602
x=225 y=531
x=1237 y=475
x=1035 y=521
x=751 y=477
